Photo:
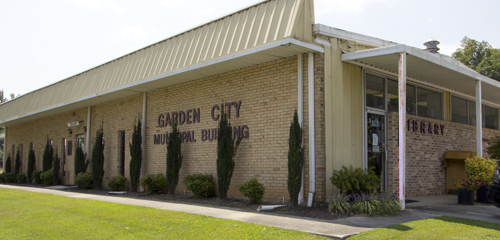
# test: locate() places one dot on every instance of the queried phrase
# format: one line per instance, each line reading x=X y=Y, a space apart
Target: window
x=375 y=91
x=464 y=111
x=419 y=101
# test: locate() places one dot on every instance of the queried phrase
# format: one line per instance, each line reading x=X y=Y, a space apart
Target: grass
x=436 y=228
x=29 y=215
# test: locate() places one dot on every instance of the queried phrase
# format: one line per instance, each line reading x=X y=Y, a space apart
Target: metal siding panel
x=180 y=52
x=253 y=18
x=185 y=50
x=169 y=54
x=208 y=46
x=258 y=27
x=160 y=59
x=238 y=33
x=221 y=37
x=268 y=20
x=175 y=52
x=188 y=55
x=196 y=50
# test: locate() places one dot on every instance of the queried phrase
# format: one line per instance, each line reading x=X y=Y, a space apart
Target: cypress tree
x=295 y=160
x=8 y=165
x=31 y=164
x=80 y=164
x=135 y=156
x=48 y=155
x=17 y=163
x=226 y=151
x=174 y=158
x=56 y=170
x=98 y=159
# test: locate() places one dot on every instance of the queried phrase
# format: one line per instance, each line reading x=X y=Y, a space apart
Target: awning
x=432 y=68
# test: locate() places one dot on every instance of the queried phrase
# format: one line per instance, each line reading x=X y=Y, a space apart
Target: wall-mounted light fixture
x=69 y=131
x=85 y=128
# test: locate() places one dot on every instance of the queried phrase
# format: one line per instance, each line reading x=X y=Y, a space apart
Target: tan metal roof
x=259 y=25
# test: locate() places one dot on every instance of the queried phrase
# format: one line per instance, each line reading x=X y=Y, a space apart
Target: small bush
x=37 y=177
x=21 y=178
x=117 y=183
x=253 y=190
x=10 y=177
x=355 y=180
x=47 y=177
x=2 y=177
x=201 y=185
x=340 y=205
x=154 y=183
x=84 y=181
x=478 y=168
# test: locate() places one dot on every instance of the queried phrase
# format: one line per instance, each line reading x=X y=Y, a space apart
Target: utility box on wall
x=454 y=162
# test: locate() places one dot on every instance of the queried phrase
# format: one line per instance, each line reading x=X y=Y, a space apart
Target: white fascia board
x=350 y=36
x=284 y=42
x=352 y=56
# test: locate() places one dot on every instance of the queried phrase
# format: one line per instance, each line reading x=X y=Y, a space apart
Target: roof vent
x=431 y=46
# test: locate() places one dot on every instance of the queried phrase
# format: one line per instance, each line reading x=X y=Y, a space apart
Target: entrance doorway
x=121 y=153
x=376 y=142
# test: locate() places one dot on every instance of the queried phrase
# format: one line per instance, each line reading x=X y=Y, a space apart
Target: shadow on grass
x=399 y=227
x=470 y=222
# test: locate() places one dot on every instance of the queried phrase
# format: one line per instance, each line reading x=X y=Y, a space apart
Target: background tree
x=295 y=160
x=226 y=151
x=2 y=97
x=8 y=165
x=98 y=159
x=136 y=156
x=174 y=158
x=17 y=163
x=47 y=158
x=56 y=170
x=80 y=164
x=31 y=163
x=480 y=56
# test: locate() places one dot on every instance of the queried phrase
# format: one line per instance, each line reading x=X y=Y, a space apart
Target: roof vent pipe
x=431 y=46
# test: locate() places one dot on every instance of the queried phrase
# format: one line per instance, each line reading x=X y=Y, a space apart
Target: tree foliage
x=8 y=165
x=174 y=158
x=494 y=147
x=136 y=156
x=80 y=164
x=17 y=163
x=31 y=164
x=226 y=151
x=56 y=170
x=98 y=159
x=48 y=154
x=479 y=56
x=295 y=159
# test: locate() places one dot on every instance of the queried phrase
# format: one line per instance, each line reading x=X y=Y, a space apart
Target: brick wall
x=425 y=172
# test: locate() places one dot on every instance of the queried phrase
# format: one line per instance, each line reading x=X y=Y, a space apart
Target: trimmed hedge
x=10 y=177
x=21 y=178
x=154 y=183
x=37 y=177
x=84 y=181
x=47 y=177
x=201 y=185
x=253 y=190
x=117 y=183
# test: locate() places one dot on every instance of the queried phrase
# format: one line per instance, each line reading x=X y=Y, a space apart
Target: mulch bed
x=317 y=211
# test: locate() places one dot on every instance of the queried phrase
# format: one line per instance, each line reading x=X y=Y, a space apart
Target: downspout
x=312 y=149
x=300 y=111
x=4 y=147
x=143 y=135
x=479 y=120
x=87 y=139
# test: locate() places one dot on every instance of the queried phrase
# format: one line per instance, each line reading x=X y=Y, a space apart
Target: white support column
x=300 y=110
x=143 y=135
x=4 y=149
x=87 y=138
x=479 y=120
x=402 y=127
x=312 y=157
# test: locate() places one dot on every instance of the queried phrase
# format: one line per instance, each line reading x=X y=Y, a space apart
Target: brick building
x=264 y=62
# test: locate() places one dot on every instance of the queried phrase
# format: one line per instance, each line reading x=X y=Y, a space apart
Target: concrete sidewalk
x=340 y=228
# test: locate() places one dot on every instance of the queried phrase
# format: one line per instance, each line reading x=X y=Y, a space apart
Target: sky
x=43 y=42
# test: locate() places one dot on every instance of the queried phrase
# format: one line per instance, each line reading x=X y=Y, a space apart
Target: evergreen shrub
x=21 y=178
x=154 y=183
x=226 y=151
x=355 y=180
x=295 y=160
x=136 y=156
x=252 y=189
x=201 y=185
x=98 y=159
x=84 y=181
x=174 y=158
x=56 y=169
x=117 y=183
x=48 y=154
x=31 y=164
x=10 y=178
x=8 y=165
x=2 y=177
x=479 y=168
x=17 y=163
x=79 y=159
x=37 y=177
x=46 y=177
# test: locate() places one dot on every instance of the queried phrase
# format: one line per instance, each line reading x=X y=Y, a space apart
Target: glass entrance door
x=376 y=144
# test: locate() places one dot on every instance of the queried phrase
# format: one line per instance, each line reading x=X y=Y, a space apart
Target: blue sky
x=47 y=41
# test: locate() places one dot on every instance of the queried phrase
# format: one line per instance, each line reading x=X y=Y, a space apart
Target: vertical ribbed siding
x=260 y=24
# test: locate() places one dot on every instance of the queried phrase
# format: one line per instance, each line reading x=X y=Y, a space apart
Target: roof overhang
x=266 y=53
x=432 y=68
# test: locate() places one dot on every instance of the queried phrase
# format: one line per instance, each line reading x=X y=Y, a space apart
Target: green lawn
x=28 y=215
x=436 y=228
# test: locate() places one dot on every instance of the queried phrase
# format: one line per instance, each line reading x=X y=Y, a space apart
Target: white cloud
x=342 y=7
x=448 y=49
x=132 y=32
x=100 y=5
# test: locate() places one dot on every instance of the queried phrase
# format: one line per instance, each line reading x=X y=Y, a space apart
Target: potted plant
x=467 y=190
x=479 y=168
